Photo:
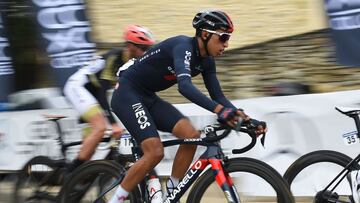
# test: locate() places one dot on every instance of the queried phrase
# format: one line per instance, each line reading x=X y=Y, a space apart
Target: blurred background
x=279 y=47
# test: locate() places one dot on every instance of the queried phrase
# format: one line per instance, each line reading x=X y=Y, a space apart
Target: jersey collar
x=196 y=47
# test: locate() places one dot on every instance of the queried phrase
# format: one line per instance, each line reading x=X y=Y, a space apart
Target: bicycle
x=338 y=163
x=40 y=179
x=215 y=174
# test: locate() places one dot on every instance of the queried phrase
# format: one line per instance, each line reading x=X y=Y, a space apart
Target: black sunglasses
x=223 y=36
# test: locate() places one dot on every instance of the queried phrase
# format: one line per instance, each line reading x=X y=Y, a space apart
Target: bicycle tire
x=317 y=157
x=93 y=170
x=36 y=172
x=247 y=165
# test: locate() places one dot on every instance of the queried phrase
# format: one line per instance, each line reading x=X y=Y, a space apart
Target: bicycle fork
x=224 y=180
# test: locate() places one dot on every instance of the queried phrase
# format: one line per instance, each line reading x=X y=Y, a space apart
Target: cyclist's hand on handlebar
x=226 y=116
x=261 y=129
x=231 y=116
x=242 y=115
x=259 y=126
x=117 y=131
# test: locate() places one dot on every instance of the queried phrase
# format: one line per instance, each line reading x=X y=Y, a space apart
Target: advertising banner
x=344 y=21
x=65 y=32
x=6 y=70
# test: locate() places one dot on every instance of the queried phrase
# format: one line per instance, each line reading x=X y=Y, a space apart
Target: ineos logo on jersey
x=187 y=59
x=140 y=115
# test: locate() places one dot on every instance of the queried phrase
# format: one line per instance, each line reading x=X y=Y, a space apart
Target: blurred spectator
x=4 y=107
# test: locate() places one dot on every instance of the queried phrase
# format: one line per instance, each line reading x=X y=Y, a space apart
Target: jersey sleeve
x=92 y=68
x=212 y=84
x=182 y=54
x=109 y=73
x=101 y=85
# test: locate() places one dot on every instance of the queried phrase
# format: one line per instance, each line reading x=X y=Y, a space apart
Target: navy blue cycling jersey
x=176 y=60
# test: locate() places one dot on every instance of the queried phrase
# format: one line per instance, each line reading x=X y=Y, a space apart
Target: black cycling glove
x=226 y=114
x=253 y=123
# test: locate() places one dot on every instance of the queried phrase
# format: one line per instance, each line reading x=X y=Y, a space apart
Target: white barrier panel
x=297 y=125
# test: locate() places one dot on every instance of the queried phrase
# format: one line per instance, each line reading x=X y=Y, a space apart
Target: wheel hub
x=325 y=197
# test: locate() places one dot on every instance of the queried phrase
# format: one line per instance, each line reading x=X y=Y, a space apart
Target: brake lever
x=252 y=124
x=238 y=126
x=262 y=140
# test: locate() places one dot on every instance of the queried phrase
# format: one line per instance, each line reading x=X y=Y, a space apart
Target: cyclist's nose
x=226 y=44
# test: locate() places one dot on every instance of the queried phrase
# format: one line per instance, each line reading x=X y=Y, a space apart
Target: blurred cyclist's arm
x=101 y=86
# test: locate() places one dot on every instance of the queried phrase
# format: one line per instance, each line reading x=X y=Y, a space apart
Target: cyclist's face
x=217 y=43
x=135 y=51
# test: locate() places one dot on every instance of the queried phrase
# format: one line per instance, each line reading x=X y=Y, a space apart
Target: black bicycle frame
x=346 y=170
x=213 y=156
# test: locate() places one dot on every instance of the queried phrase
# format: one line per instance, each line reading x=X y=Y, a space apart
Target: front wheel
x=254 y=180
x=91 y=179
x=309 y=175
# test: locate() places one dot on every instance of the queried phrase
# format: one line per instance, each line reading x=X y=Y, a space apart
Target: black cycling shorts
x=142 y=112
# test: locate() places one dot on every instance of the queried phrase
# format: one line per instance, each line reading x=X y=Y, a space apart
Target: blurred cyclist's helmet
x=213 y=20
x=139 y=35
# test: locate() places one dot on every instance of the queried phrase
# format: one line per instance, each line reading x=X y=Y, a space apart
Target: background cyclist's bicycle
x=326 y=170
x=41 y=178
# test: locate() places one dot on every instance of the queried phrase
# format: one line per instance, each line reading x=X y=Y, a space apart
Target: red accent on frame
x=220 y=176
x=229 y=180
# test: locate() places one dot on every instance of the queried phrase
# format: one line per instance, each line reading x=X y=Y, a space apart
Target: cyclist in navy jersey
x=173 y=61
